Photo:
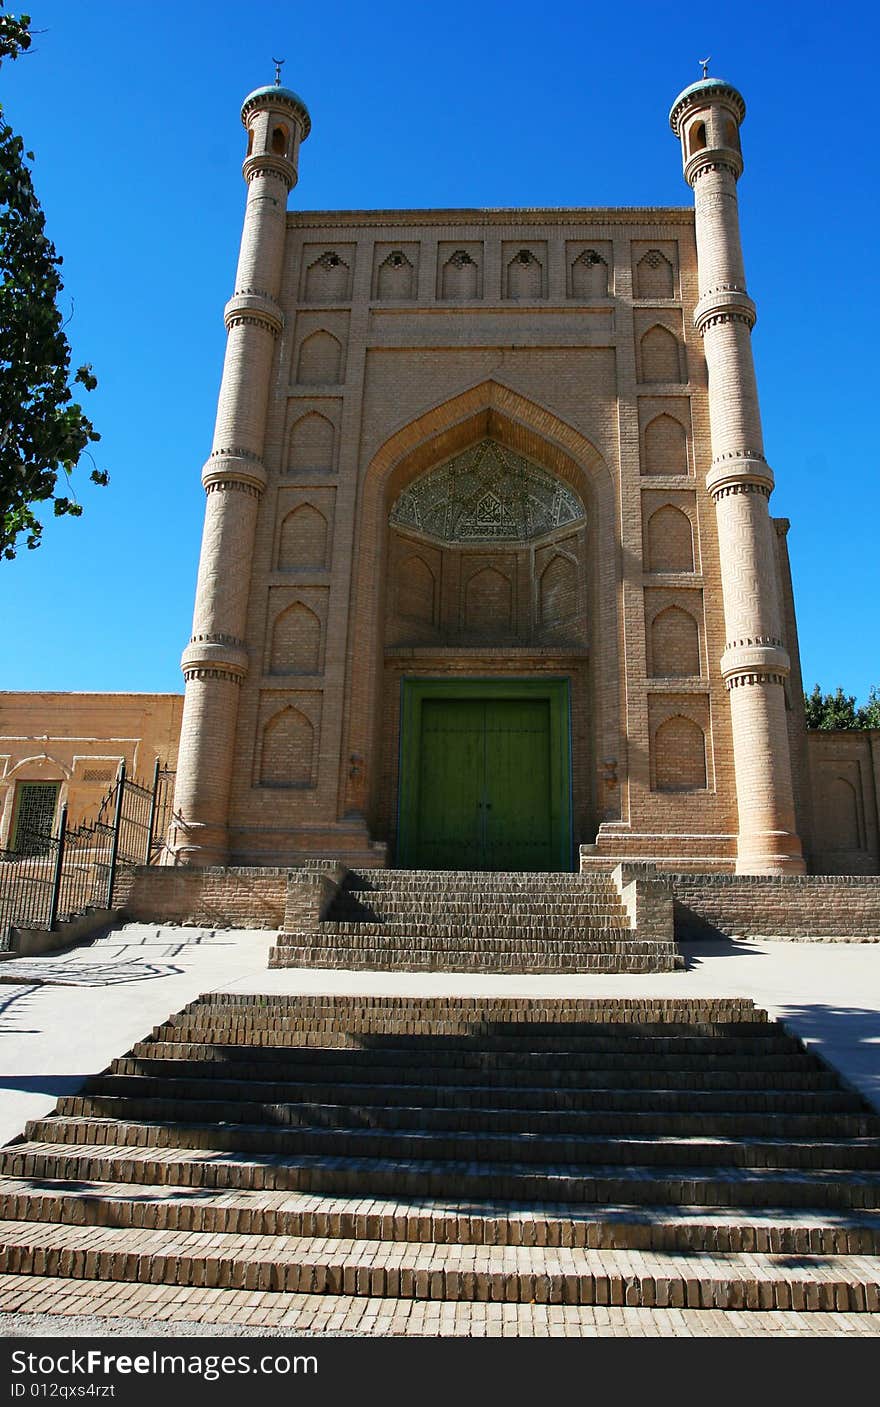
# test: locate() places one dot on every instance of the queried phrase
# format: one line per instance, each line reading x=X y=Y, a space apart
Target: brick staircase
x=642 y=1152
x=466 y=921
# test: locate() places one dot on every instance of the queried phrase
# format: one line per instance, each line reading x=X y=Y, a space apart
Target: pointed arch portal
x=467 y=690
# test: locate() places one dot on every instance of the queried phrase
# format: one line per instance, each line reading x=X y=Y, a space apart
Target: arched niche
x=396 y=277
x=654 y=276
x=328 y=279
x=287 y=750
x=296 y=642
x=416 y=590
x=665 y=446
x=674 y=644
x=660 y=357
x=589 y=276
x=558 y=591
x=669 y=541
x=302 y=540
x=487 y=411
x=320 y=360
x=311 y=443
x=679 y=756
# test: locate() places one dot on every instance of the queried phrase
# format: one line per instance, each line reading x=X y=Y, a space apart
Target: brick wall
x=790 y=906
x=213 y=898
x=844 y=775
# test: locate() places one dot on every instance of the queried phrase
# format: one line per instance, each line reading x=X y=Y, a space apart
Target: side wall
x=782 y=906
x=212 y=898
x=78 y=741
x=844 y=769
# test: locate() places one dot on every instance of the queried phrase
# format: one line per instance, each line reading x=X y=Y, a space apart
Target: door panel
x=450 y=783
x=518 y=822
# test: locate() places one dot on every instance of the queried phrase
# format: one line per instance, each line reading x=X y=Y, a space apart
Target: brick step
x=553 y=914
x=421 y=1220
x=488 y=879
x=462 y=1146
x=565 y=1060
x=181 y=1085
x=708 y=1013
x=266 y=1312
x=216 y=1028
x=481 y=1273
x=503 y=935
x=216 y=1062
x=458 y=1055
x=373 y=1177
x=511 y=1121
x=410 y=959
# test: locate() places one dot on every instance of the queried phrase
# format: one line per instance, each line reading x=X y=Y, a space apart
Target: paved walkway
x=36 y=1307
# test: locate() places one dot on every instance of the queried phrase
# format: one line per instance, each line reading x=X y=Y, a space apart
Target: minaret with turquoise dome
x=755 y=664
x=216 y=661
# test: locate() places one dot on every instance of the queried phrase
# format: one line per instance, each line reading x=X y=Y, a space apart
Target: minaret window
x=697 y=138
x=279 y=141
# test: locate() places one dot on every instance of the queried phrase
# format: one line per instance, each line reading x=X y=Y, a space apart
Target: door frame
x=556 y=690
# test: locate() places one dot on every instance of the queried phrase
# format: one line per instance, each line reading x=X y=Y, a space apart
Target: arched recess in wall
x=454 y=426
x=302 y=541
x=310 y=445
x=558 y=591
x=525 y=276
x=280 y=140
x=328 y=279
x=416 y=590
x=696 y=137
x=679 y=756
x=654 y=276
x=589 y=276
x=320 y=360
x=665 y=446
x=660 y=355
x=488 y=601
x=670 y=541
x=396 y=277
x=840 y=816
x=675 y=644
x=460 y=278
x=287 y=751
x=296 y=642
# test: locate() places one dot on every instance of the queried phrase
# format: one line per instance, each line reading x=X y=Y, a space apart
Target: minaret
x=216 y=660
x=755 y=664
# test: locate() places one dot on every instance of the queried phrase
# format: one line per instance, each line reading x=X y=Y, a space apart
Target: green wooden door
x=517 y=821
x=450 y=784
x=484 y=785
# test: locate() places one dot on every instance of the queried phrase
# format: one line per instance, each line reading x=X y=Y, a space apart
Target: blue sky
x=132 y=111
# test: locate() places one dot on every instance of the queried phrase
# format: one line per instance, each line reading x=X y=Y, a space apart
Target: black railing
x=50 y=878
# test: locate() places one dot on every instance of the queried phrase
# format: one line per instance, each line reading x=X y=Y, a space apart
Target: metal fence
x=49 y=878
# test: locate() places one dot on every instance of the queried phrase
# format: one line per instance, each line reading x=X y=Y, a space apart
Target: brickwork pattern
x=682 y=1155
x=215 y=898
x=792 y=906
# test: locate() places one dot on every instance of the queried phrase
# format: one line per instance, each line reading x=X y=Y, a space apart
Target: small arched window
x=279 y=141
x=697 y=138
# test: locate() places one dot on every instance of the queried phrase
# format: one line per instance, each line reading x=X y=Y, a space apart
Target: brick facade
x=76 y=741
x=606 y=352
